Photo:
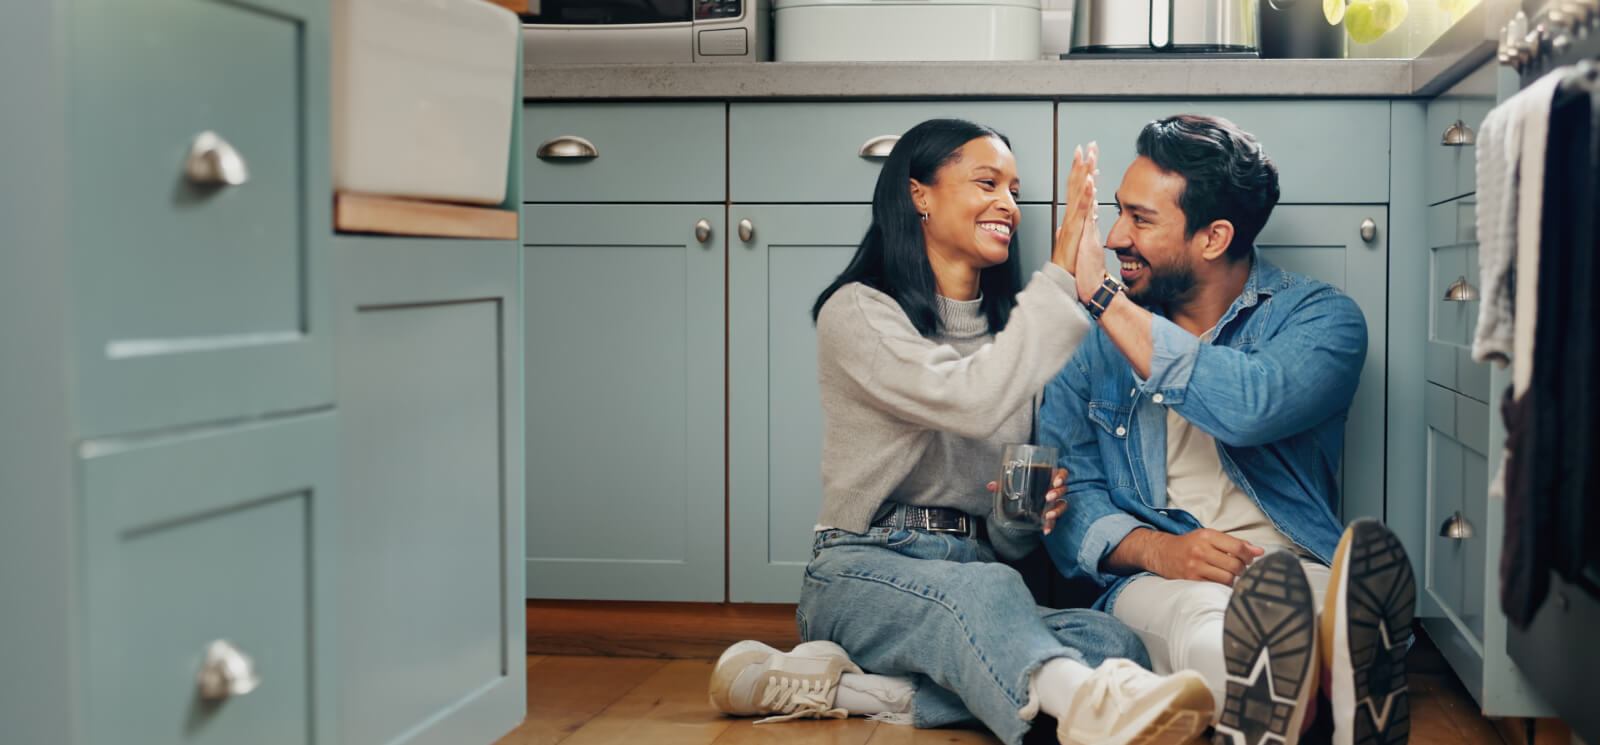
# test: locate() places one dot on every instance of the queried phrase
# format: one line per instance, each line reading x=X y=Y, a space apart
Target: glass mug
x=1025 y=474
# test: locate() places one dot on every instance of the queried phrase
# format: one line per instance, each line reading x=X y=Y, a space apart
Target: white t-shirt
x=1197 y=484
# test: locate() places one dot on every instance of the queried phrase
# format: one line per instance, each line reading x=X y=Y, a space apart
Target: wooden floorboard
x=668 y=708
x=671 y=630
x=565 y=693
x=658 y=695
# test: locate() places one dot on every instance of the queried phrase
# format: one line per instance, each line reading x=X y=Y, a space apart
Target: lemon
x=1366 y=21
x=1389 y=14
x=1333 y=10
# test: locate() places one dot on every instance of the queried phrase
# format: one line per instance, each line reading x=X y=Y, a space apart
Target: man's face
x=1157 y=265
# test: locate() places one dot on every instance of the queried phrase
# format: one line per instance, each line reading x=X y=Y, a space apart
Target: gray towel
x=1510 y=171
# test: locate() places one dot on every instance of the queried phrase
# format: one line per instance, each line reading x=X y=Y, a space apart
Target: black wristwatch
x=1102 y=297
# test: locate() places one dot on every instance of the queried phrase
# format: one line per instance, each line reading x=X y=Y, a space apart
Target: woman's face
x=972 y=205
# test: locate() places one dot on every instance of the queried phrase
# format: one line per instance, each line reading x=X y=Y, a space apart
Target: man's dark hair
x=1226 y=176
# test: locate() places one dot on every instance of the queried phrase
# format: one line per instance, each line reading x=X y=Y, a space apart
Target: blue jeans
x=939 y=608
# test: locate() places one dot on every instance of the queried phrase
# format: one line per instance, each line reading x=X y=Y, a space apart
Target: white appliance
x=423 y=96
x=905 y=30
x=646 y=31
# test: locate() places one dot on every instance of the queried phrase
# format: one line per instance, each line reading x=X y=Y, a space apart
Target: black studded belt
x=931 y=519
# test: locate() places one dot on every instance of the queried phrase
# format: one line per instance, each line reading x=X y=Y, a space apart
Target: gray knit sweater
x=921 y=420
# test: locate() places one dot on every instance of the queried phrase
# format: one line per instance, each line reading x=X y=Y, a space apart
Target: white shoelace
x=799 y=697
x=1115 y=687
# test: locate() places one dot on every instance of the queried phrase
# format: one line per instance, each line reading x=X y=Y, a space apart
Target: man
x=1202 y=424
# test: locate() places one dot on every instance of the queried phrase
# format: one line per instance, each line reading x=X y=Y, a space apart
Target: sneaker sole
x=1269 y=644
x=1367 y=636
x=1179 y=720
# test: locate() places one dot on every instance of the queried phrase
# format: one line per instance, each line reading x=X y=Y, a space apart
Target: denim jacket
x=1273 y=387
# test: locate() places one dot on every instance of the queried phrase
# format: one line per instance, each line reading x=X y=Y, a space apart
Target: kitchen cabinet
x=794 y=215
x=625 y=404
x=625 y=282
x=431 y=633
x=1445 y=433
x=192 y=479
x=169 y=453
x=199 y=300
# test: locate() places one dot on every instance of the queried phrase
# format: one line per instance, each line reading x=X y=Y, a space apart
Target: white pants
x=1180 y=622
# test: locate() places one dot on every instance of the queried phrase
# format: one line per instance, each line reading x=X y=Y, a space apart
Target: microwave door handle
x=1161 y=23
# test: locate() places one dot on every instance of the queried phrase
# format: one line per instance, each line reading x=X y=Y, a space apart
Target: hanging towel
x=1510 y=171
x=1535 y=428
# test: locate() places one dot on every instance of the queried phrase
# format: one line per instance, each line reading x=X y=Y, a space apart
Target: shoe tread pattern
x=1380 y=602
x=1271 y=612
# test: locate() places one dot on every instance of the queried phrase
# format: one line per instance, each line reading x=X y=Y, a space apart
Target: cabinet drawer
x=1325 y=151
x=196 y=297
x=642 y=152
x=203 y=538
x=1453 y=121
x=1458 y=481
x=811 y=152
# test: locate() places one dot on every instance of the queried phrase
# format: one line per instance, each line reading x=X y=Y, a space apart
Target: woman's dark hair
x=892 y=257
x=1226 y=176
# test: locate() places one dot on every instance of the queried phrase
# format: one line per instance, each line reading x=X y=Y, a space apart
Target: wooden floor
x=606 y=700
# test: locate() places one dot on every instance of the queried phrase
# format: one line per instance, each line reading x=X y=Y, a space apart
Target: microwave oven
x=646 y=31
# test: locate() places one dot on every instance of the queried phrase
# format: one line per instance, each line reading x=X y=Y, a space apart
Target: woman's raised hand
x=1079 y=207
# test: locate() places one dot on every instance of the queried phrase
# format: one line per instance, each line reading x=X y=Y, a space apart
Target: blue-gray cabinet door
x=624 y=347
x=206 y=535
x=199 y=302
x=774 y=414
x=432 y=640
x=1325 y=242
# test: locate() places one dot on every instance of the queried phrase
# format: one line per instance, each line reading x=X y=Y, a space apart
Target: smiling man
x=1202 y=424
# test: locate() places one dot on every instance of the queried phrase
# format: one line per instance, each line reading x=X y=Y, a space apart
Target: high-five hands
x=1079 y=209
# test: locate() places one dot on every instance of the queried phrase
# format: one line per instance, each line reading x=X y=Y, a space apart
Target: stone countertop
x=1465 y=46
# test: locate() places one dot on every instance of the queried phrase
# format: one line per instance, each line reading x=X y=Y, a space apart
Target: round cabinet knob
x=702 y=230
x=1369 y=230
x=878 y=147
x=746 y=230
x=214 y=162
x=226 y=672
x=1457 y=527
x=567 y=147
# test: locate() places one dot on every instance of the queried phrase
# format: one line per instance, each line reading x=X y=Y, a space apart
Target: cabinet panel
x=775 y=418
x=808 y=152
x=1324 y=242
x=222 y=534
x=625 y=402
x=1325 y=151
x=645 y=152
x=1454 y=119
x=198 y=302
x=429 y=389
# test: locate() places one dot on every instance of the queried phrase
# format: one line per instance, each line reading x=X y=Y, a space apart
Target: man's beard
x=1164 y=287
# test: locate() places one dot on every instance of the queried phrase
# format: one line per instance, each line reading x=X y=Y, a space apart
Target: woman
x=919 y=393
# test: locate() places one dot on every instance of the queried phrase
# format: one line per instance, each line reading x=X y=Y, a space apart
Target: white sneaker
x=1124 y=703
x=752 y=678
